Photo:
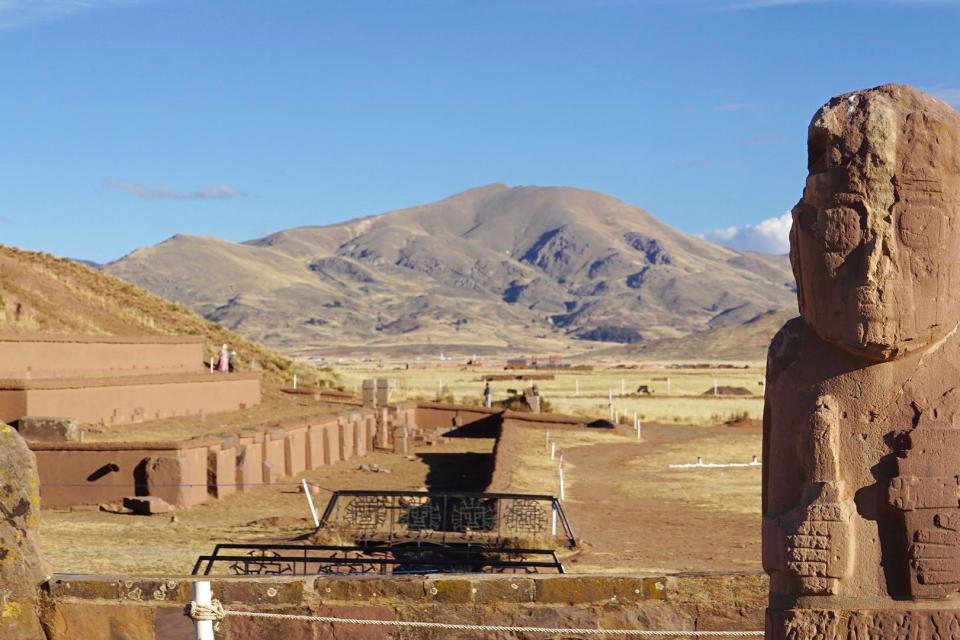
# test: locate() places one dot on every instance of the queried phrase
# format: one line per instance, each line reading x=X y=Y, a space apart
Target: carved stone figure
x=861 y=478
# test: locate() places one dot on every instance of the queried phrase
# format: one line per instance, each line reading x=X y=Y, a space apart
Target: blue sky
x=127 y=121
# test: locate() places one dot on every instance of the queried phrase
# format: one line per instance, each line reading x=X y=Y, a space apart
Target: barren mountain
x=493 y=268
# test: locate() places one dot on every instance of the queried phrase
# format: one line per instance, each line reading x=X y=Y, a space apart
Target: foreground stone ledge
x=152 y=608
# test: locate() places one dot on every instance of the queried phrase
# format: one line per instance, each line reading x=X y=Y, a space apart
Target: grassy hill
x=41 y=293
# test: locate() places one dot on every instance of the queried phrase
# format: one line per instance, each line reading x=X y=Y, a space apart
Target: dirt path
x=635 y=514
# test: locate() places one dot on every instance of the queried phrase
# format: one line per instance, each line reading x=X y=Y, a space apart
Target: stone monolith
x=861 y=476
x=22 y=570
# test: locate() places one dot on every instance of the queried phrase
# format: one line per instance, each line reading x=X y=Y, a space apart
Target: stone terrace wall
x=190 y=472
x=52 y=356
x=194 y=471
x=128 y=399
x=151 y=609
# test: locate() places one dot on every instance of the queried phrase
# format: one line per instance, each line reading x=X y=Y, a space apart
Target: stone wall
x=57 y=356
x=190 y=472
x=151 y=609
x=128 y=399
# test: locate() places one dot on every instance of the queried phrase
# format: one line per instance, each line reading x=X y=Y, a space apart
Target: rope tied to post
x=213 y=612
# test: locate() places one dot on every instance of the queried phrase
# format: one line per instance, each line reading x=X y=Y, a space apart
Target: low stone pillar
x=384 y=390
x=401 y=439
x=22 y=569
x=249 y=466
x=382 y=439
x=221 y=472
x=369 y=394
x=315 y=453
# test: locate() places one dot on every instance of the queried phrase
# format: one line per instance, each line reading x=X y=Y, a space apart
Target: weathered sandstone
x=861 y=496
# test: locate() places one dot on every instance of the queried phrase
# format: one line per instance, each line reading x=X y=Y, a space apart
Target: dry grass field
x=633 y=512
x=682 y=403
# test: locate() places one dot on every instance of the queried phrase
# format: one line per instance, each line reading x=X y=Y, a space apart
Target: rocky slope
x=40 y=293
x=493 y=268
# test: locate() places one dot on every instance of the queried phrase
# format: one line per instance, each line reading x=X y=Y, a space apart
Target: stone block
x=249 y=466
x=314 y=447
x=401 y=439
x=222 y=472
x=274 y=452
x=270 y=474
x=49 y=429
x=359 y=437
x=295 y=452
x=345 y=436
x=164 y=478
x=501 y=590
x=331 y=443
x=384 y=390
x=147 y=505
x=369 y=394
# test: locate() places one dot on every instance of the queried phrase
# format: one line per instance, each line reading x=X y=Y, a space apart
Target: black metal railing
x=497 y=519
x=399 y=559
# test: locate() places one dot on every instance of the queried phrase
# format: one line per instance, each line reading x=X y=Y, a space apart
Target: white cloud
x=18 y=13
x=768 y=236
x=213 y=192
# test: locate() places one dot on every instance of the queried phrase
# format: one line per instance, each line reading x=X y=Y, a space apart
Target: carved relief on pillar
x=926 y=492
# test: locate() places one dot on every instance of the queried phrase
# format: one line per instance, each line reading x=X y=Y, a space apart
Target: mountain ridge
x=523 y=267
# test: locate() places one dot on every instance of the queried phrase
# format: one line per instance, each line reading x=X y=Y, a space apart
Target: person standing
x=232 y=361
x=487 y=395
x=223 y=362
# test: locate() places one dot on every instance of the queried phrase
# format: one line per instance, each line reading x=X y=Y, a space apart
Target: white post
x=203 y=596
x=616 y=417
x=211 y=364
x=313 y=509
x=715 y=387
x=610 y=401
x=553 y=450
x=294 y=381
x=668 y=385
x=553 y=525
x=560 y=471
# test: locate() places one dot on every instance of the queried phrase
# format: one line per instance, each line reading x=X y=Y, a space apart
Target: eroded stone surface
x=861 y=497
x=21 y=567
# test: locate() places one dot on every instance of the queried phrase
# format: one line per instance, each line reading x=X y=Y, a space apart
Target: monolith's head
x=875 y=243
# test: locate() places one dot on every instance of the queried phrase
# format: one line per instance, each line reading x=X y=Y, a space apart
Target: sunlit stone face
x=876 y=237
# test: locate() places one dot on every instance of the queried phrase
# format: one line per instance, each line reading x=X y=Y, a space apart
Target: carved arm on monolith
x=816 y=538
